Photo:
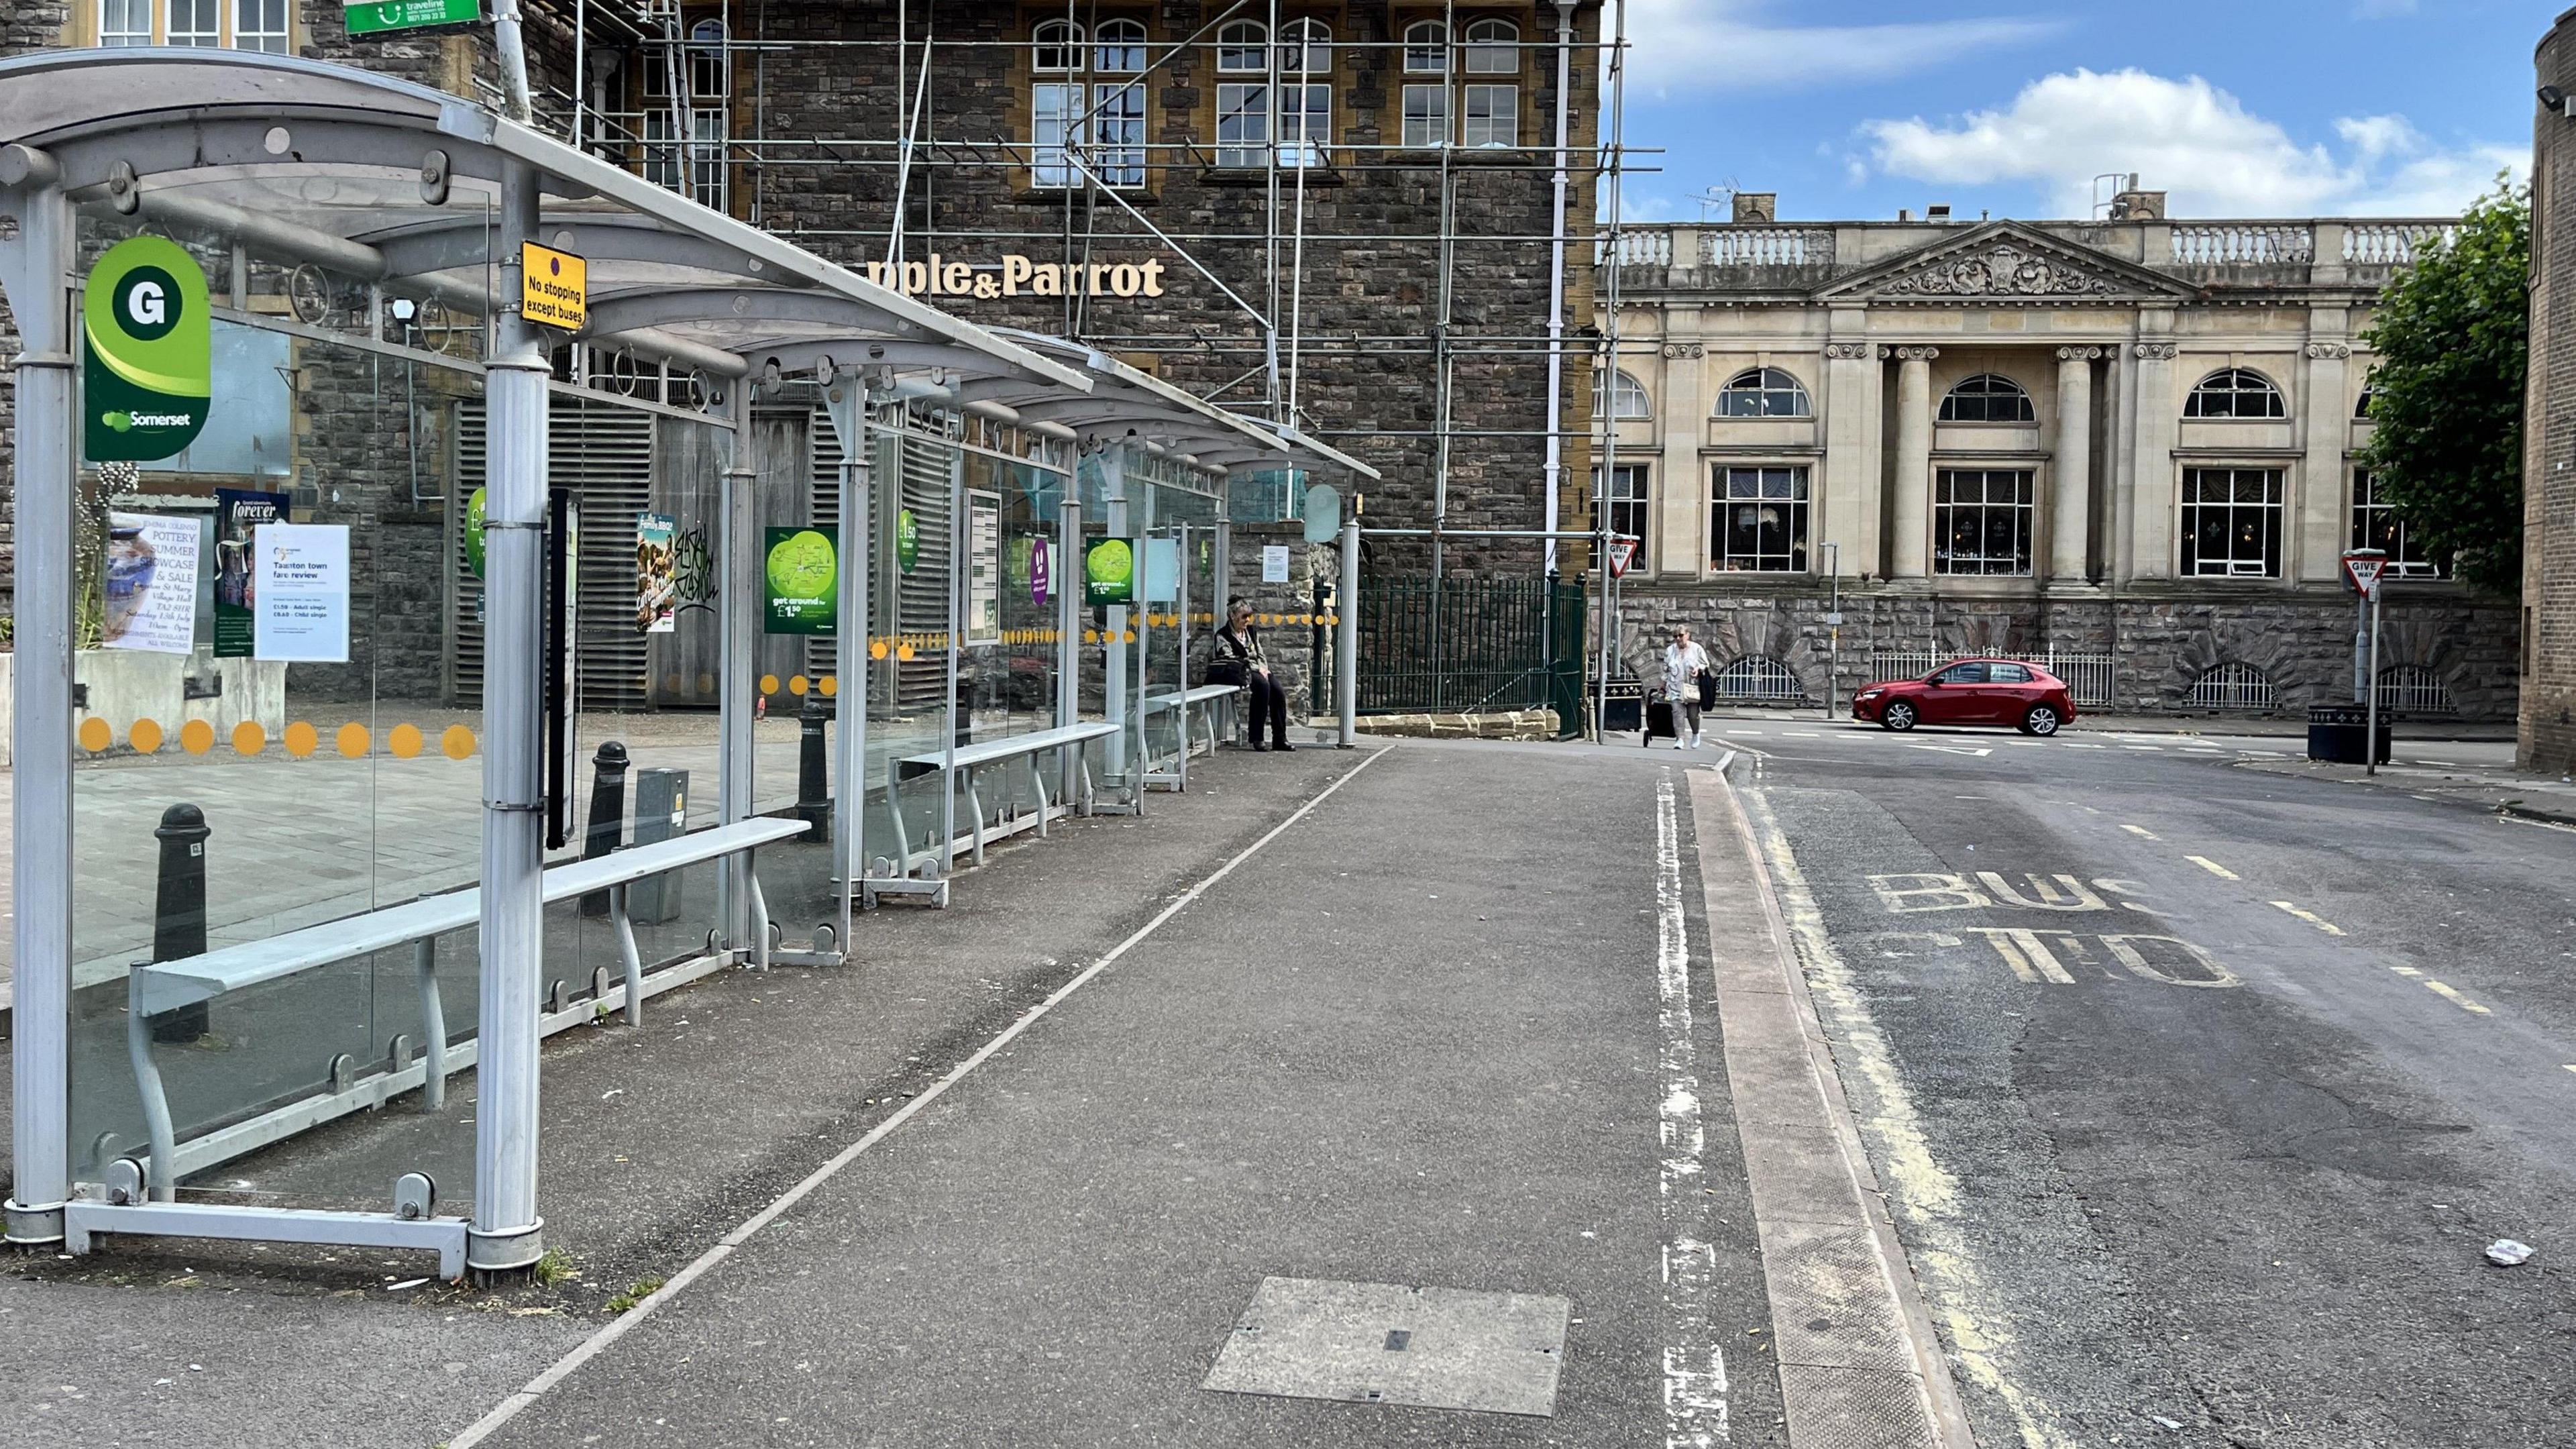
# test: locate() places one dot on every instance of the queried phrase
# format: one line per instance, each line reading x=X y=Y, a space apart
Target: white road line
x=2571 y=1066
x=2452 y=763
x=2311 y=917
x=2204 y=752
x=2213 y=867
x=2455 y=998
x=1744 y=732
x=598 y=1343
x=2142 y=832
x=1694 y=1363
x=2078 y=745
x=2152 y=749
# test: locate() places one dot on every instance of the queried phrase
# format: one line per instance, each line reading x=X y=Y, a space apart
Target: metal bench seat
x=968 y=760
x=161 y=986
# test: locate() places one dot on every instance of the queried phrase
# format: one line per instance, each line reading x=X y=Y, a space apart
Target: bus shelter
x=316 y=368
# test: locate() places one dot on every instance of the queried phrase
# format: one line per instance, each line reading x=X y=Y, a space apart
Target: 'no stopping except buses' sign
x=554 y=287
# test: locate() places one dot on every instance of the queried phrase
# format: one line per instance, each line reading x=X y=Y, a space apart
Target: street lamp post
x=1833 y=625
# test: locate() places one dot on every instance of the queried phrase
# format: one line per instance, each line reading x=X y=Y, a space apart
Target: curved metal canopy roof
x=398 y=186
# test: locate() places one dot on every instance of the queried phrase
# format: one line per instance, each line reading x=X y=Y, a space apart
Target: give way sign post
x=2364 y=569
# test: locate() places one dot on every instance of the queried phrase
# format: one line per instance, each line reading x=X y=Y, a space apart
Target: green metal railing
x=1471 y=644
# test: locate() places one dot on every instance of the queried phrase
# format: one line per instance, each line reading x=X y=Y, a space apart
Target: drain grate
x=1383 y=1343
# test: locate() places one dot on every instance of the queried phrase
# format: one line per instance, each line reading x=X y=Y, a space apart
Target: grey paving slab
x=1392 y=1343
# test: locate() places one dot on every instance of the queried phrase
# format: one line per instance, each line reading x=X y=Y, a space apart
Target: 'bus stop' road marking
x=598 y=1343
x=2213 y=867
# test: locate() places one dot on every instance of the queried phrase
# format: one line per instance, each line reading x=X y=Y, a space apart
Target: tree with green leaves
x=2453 y=337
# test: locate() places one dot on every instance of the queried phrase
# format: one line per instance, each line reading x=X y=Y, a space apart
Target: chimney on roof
x=1905 y=213
x=1756 y=208
x=2136 y=205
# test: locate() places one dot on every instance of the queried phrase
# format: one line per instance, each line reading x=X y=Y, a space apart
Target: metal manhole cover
x=1382 y=1343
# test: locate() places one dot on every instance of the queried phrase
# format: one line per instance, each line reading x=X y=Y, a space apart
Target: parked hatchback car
x=1971 y=692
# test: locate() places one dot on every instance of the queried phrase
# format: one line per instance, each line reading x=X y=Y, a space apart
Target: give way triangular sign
x=2363 y=571
x=1623 y=552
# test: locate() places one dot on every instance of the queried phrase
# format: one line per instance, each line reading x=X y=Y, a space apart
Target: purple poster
x=1039 y=570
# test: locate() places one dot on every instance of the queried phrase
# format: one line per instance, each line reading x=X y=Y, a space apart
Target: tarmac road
x=2198 y=1092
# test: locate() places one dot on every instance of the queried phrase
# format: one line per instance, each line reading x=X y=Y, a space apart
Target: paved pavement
x=1018 y=1177
x=2198 y=1089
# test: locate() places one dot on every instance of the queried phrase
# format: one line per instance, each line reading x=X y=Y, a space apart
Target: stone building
x=2547 y=732
x=2124 y=445
x=1359 y=223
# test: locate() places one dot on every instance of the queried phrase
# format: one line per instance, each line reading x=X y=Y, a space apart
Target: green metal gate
x=1471 y=644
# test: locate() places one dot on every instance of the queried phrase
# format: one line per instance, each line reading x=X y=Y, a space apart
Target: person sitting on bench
x=1238 y=660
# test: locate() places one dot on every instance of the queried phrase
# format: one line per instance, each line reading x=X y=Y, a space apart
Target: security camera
x=2554 y=99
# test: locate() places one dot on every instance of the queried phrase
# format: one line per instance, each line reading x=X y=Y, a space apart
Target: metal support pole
x=2361 y=690
x=1346 y=639
x=1833 y=553
x=36 y=268
x=1113 y=690
x=507 y=1234
x=2370 y=733
x=738 y=614
x=1066 y=579
x=961 y=719
x=848 y=396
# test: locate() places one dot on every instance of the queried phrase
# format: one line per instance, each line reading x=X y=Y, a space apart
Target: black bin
x=2336 y=733
x=1623 y=703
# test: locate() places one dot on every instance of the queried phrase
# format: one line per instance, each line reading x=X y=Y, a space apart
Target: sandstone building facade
x=2125 y=445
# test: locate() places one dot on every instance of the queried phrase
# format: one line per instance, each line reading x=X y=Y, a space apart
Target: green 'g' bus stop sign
x=371 y=17
x=148 y=354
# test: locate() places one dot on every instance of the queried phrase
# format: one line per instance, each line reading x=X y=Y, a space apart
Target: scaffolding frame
x=1271 y=341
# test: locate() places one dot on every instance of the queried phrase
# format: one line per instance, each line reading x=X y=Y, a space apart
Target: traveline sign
x=1018 y=276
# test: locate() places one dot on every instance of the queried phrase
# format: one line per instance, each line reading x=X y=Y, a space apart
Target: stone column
x=1678 y=491
x=2150 y=504
x=2324 y=421
x=1912 y=516
x=2070 y=478
x=1848 y=517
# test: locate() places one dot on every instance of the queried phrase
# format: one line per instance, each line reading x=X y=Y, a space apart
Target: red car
x=1971 y=692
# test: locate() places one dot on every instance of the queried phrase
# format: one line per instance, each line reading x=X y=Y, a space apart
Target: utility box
x=661 y=813
x=1623 y=705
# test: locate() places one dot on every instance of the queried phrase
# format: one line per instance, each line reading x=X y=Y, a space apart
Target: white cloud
x=2194 y=141
x=1676 y=44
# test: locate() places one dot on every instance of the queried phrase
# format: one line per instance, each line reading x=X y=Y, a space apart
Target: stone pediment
x=2004 y=262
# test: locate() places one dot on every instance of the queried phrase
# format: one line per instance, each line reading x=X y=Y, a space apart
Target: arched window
x=1763 y=392
x=1239 y=47
x=1631 y=397
x=1055 y=45
x=2413 y=689
x=1305 y=48
x=1493 y=48
x=2235 y=392
x=1987 y=398
x=2361 y=409
x=1426 y=48
x=2234 y=686
x=710 y=77
x=1758 y=679
x=1118 y=47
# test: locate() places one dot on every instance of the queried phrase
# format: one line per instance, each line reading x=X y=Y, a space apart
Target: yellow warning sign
x=554 y=287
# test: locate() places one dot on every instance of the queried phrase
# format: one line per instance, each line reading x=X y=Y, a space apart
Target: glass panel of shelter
x=224 y=793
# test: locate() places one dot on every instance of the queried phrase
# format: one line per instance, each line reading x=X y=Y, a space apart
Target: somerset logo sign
x=1018 y=276
x=147 y=361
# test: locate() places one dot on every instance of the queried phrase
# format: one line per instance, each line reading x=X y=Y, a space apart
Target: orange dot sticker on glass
x=249 y=738
x=405 y=741
x=352 y=740
x=796 y=686
x=95 y=735
x=196 y=737
x=302 y=739
x=904 y=653
x=456 y=742
x=830 y=685
x=876 y=649
x=769 y=684
x=145 y=736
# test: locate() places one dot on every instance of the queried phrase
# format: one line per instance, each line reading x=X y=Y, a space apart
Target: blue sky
x=2237 y=108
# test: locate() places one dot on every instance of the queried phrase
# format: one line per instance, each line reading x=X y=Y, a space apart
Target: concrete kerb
x=1830 y=1253
x=2536 y=799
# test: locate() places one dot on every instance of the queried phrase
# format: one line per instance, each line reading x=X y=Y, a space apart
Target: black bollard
x=607 y=815
x=813 y=781
x=179 y=911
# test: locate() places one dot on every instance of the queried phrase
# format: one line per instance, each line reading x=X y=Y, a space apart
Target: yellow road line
x=2312 y=918
x=2213 y=867
x=2405 y=970
x=2453 y=997
x=2142 y=832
